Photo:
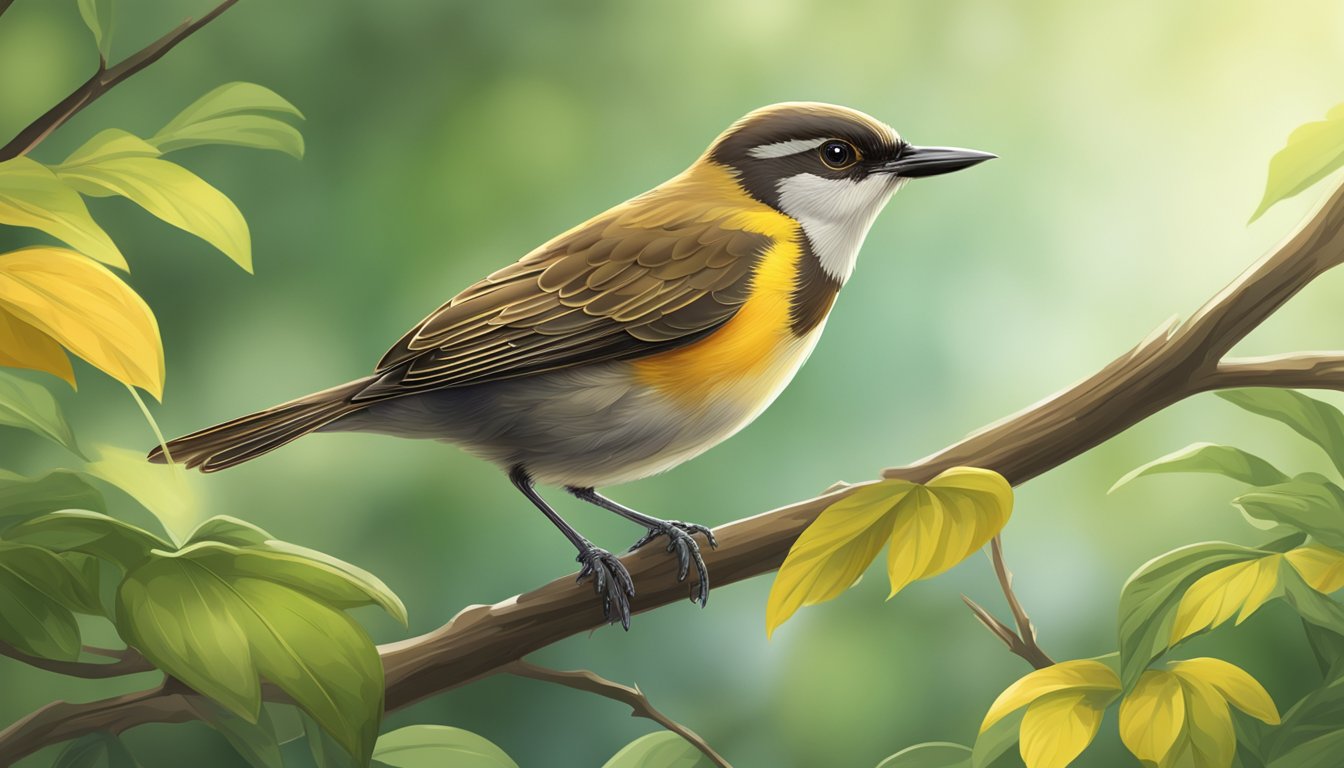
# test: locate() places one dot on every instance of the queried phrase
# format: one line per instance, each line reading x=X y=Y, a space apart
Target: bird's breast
x=749 y=359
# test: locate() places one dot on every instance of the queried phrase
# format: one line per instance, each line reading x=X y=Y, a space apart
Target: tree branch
x=102 y=81
x=4 y=6
x=1173 y=363
x=127 y=662
x=1023 y=641
x=631 y=696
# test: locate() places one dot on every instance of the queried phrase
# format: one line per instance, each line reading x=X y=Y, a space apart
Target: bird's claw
x=611 y=582
x=681 y=541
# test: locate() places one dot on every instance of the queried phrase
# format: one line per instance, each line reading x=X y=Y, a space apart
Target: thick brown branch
x=127 y=662
x=631 y=696
x=103 y=80
x=1174 y=363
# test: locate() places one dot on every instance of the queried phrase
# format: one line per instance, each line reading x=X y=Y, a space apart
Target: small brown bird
x=636 y=340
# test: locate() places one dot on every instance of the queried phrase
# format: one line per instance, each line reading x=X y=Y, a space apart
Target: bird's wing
x=616 y=288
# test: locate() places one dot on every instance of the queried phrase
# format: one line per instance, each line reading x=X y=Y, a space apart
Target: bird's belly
x=596 y=425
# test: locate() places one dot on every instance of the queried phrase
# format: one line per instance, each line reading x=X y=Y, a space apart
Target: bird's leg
x=680 y=537
x=611 y=580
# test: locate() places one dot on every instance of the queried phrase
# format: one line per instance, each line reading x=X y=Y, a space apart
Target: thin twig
x=127 y=662
x=631 y=696
x=4 y=6
x=1023 y=641
x=102 y=81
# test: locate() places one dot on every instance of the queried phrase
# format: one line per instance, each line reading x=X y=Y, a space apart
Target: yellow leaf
x=1058 y=727
x=1321 y=567
x=1083 y=676
x=170 y=192
x=1152 y=716
x=1233 y=683
x=23 y=346
x=86 y=308
x=108 y=144
x=834 y=550
x=1209 y=736
x=941 y=523
x=1217 y=596
x=32 y=196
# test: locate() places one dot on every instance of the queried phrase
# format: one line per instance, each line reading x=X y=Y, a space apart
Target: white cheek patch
x=836 y=214
x=784 y=148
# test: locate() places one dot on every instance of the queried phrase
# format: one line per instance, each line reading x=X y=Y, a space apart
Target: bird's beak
x=915 y=162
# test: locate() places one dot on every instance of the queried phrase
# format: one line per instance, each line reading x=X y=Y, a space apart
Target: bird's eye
x=838 y=155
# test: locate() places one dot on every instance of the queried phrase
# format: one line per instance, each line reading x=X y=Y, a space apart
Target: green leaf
x=33 y=619
x=1149 y=599
x=1314 y=151
x=1309 y=502
x=199 y=619
x=171 y=193
x=431 y=746
x=86 y=594
x=1328 y=648
x=1314 y=607
x=1320 y=752
x=68 y=581
x=257 y=743
x=241 y=114
x=995 y=747
x=30 y=406
x=32 y=196
x=1216 y=459
x=97 y=15
x=662 y=749
x=92 y=533
x=332 y=581
x=1318 y=421
x=163 y=489
x=107 y=145
x=96 y=750
x=23 y=498
x=223 y=529
x=253 y=131
x=934 y=754
x=1314 y=723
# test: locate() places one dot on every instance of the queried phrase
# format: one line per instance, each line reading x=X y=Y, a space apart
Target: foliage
x=1313 y=151
x=926 y=528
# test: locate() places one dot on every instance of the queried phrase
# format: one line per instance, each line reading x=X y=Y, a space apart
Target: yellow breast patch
x=748 y=353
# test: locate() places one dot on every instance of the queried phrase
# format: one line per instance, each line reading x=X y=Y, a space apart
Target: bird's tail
x=247 y=437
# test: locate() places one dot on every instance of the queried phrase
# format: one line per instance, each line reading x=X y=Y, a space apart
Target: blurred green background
x=445 y=139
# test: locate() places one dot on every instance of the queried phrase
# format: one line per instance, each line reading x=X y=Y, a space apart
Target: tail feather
x=247 y=437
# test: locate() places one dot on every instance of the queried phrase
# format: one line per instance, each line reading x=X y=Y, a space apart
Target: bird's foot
x=681 y=540
x=611 y=581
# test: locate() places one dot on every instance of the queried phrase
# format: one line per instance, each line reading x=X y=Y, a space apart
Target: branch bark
x=127 y=662
x=102 y=81
x=631 y=696
x=1173 y=363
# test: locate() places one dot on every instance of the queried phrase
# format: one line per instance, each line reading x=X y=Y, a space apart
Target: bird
x=636 y=340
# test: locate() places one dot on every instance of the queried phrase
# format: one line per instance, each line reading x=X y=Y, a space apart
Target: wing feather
x=611 y=289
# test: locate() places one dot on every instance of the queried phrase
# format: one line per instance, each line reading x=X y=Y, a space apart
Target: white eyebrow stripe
x=784 y=148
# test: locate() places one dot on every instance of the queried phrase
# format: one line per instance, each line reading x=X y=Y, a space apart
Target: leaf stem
x=153 y=425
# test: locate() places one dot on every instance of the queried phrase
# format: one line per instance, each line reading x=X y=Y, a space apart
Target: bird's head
x=830 y=168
